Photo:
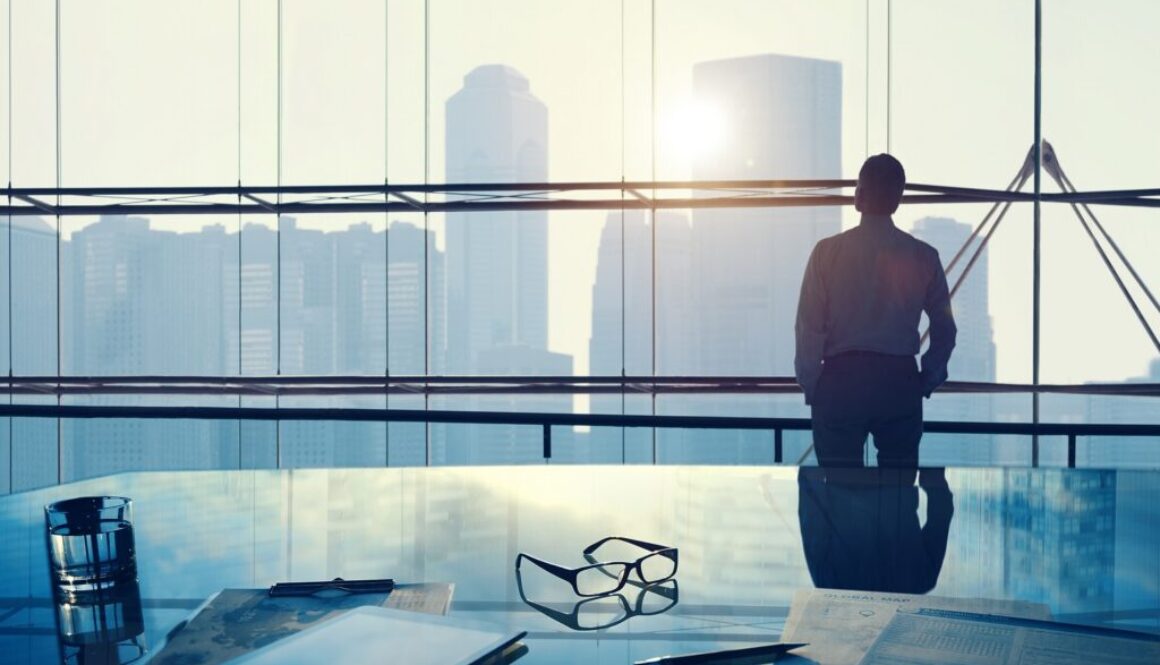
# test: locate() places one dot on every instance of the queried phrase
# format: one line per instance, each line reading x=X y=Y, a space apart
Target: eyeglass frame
x=570 y=575
x=666 y=589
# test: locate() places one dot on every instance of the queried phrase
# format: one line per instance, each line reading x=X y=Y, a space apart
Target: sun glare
x=695 y=129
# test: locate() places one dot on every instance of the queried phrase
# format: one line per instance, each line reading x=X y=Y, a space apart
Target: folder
x=377 y=636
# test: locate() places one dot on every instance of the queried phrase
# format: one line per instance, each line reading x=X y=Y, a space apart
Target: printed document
x=840 y=625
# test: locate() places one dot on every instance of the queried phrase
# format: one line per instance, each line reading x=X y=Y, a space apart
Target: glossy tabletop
x=1084 y=542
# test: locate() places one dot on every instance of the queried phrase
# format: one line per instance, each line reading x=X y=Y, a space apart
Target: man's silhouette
x=861 y=528
x=862 y=296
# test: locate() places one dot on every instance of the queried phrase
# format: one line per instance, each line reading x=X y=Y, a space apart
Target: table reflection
x=104 y=627
x=1083 y=542
x=861 y=528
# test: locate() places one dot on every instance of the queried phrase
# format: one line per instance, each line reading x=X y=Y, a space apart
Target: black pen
x=748 y=654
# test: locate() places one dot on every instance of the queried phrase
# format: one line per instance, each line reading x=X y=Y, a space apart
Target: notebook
x=376 y=636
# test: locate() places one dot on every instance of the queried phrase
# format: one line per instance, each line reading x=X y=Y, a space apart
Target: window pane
x=33 y=100
x=333 y=89
x=33 y=293
x=137 y=105
x=1093 y=103
x=148 y=296
x=959 y=119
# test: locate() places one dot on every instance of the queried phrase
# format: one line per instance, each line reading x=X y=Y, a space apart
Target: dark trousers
x=863 y=393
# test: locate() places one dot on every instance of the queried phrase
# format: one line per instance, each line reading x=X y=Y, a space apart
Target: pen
x=337 y=584
x=748 y=654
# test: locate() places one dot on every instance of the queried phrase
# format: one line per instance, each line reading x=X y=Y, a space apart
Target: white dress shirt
x=865 y=290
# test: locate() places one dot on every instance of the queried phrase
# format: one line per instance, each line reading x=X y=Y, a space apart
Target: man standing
x=862 y=295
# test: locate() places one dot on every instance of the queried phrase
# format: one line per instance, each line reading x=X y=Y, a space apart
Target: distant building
x=32 y=346
x=784 y=120
x=621 y=342
x=496 y=266
x=1122 y=451
x=1060 y=538
x=974 y=355
x=497 y=262
x=140 y=301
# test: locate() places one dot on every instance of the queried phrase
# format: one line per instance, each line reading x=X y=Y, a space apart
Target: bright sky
x=151 y=95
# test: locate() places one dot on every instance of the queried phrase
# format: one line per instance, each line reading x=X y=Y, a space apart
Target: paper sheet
x=841 y=625
x=962 y=638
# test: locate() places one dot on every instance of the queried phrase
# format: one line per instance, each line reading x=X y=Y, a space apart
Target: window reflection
x=861 y=528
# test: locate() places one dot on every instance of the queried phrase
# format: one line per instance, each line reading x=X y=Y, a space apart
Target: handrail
x=548 y=420
x=351 y=384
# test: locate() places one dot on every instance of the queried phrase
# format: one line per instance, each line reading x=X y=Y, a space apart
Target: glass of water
x=90 y=543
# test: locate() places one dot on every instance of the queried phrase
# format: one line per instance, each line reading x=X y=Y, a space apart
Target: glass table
x=1084 y=542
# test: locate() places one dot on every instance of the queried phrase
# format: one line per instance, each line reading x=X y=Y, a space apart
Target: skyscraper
x=623 y=292
x=135 y=301
x=497 y=265
x=497 y=262
x=974 y=355
x=783 y=116
x=783 y=120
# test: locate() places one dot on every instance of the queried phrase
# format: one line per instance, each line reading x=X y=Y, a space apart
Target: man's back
x=876 y=280
x=863 y=294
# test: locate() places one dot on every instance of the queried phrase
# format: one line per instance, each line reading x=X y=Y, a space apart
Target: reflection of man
x=860 y=528
x=863 y=293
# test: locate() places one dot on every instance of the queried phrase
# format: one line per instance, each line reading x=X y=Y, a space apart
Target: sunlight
x=695 y=128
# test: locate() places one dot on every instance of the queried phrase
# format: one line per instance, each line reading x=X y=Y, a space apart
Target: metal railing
x=546 y=421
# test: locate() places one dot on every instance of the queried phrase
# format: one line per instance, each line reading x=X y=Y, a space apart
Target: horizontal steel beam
x=484 y=385
x=497 y=197
x=539 y=419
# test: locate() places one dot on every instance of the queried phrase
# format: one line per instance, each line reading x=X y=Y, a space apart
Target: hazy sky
x=178 y=93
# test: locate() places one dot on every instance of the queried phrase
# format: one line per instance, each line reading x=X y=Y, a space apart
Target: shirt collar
x=876 y=221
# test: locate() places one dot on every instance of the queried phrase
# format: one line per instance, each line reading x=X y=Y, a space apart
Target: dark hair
x=880 y=184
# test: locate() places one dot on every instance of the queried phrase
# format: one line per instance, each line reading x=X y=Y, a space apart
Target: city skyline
x=354 y=107
x=481 y=293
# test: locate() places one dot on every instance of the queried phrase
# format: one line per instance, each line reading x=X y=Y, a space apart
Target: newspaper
x=840 y=625
x=928 y=635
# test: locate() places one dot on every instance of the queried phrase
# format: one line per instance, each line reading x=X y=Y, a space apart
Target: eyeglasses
x=601 y=578
x=593 y=613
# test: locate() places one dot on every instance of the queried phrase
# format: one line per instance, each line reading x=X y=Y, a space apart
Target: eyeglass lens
x=600 y=579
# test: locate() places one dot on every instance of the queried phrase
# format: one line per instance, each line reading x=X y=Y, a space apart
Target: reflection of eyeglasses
x=604 y=577
x=592 y=613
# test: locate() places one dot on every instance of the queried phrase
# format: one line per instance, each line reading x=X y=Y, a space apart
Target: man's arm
x=810 y=327
x=942 y=330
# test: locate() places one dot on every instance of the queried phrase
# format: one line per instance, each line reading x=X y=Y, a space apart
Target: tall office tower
x=783 y=116
x=1137 y=533
x=416 y=325
x=414 y=284
x=976 y=550
x=31 y=345
x=759 y=521
x=1060 y=538
x=254 y=347
x=497 y=264
x=621 y=342
x=308 y=312
x=783 y=120
x=142 y=301
x=974 y=355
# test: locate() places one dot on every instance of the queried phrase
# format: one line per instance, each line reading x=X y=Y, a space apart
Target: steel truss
x=493 y=197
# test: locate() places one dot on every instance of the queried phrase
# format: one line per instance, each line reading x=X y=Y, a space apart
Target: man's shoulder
x=831 y=241
x=921 y=247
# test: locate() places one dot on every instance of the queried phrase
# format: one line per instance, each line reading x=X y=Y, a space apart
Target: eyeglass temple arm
x=639 y=543
x=558 y=571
